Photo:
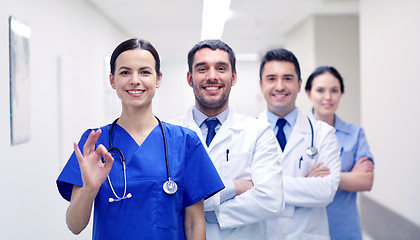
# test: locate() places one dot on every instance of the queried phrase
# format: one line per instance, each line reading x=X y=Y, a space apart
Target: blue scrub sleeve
x=203 y=181
x=71 y=175
x=363 y=149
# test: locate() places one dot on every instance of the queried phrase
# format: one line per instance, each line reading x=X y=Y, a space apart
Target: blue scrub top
x=343 y=216
x=150 y=213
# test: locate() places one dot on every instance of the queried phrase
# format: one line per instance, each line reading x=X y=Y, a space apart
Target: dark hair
x=280 y=54
x=213 y=44
x=131 y=44
x=321 y=70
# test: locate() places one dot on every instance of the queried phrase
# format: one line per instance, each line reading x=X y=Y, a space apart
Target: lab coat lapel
x=263 y=116
x=222 y=134
x=225 y=131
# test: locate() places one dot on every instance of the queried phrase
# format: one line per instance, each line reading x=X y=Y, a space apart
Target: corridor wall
x=389 y=51
x=68 y=46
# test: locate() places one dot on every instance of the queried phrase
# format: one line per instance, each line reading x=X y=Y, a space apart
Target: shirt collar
x=340 y=125
x=199 y=117
x=290 y=118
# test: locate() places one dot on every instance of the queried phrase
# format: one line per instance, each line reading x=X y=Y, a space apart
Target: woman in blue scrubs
x=325 y=88
x=129 y=198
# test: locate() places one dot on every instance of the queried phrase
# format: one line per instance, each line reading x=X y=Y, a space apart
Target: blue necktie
x=281 y=138
x=211 y=125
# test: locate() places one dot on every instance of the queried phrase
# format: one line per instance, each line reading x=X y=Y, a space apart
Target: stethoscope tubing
x=311 y=151
x=168 y=172
x=111 y=148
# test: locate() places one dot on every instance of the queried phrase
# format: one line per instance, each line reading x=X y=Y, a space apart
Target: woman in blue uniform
x=325 y=88
x=146 y=179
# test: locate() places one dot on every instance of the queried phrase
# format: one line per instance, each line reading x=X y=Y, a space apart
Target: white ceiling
x=174 y=26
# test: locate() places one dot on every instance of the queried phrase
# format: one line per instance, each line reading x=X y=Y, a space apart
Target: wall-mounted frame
x=19 y=35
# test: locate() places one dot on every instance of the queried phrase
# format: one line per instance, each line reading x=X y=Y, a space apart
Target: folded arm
x=316 y=190
x=264 y=198
x=360 y=178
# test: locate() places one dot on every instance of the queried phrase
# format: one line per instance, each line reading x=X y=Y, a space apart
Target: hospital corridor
x=55 y=84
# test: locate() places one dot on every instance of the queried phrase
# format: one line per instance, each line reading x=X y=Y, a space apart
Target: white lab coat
x=253 y=155
x=305 y=216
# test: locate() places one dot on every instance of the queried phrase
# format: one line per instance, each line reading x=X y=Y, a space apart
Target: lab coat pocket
x=305 y=165
x=238 y=165
x=170 y=209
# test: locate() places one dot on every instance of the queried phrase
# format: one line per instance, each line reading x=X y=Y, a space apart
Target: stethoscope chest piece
x=311 y=151
x=170 y=187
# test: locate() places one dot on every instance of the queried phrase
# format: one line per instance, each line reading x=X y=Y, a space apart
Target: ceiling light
x=215 y=14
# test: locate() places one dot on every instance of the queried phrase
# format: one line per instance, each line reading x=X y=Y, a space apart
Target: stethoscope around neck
x=311 y=151
x=169 y=187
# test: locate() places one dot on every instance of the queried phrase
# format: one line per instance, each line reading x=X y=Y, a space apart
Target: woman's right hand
x=94 y=173
x=93 y=170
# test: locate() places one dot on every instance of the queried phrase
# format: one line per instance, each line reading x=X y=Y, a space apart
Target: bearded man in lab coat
x=310 y=181
x=244 y=150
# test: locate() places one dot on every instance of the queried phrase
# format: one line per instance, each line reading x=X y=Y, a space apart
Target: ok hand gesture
x=93 y=170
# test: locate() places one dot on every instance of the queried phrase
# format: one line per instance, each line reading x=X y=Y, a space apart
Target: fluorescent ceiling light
x=20 y=28
x=215 y=14
x=248 y=57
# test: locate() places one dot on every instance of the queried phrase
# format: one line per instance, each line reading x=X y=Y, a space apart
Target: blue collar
x=199 y=117
x=341 y=126
x=290 y=118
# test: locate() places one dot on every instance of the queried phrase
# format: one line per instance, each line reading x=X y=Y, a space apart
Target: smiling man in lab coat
x=244 y=150
x=310 y=180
